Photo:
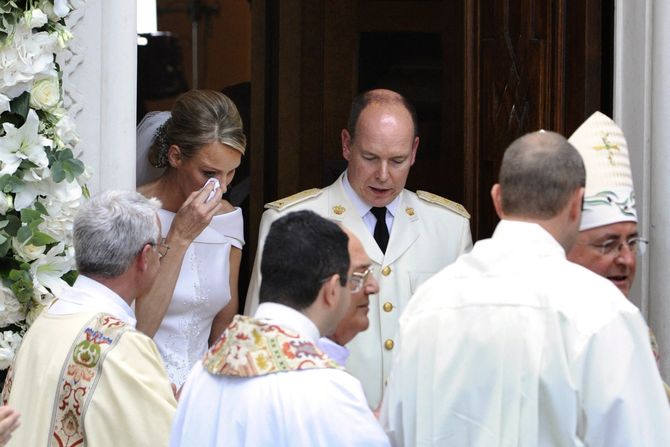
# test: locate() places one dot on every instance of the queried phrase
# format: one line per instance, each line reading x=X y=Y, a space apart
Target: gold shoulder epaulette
x=439 y=200
x=292 y=200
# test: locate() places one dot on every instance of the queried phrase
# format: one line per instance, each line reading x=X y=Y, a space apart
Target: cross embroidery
x=609 y=147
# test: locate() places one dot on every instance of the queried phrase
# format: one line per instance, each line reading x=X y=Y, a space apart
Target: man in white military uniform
x=514 y=345
x=415 y=236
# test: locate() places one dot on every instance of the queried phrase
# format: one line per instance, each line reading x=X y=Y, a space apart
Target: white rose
x=45 y=94
x=10 y=308
x=48 y=8
x=6 y=203
x=9 y=343
x=27 y=252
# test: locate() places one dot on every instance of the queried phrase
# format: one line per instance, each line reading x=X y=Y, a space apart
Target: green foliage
x=65 y=166
x=22 y=285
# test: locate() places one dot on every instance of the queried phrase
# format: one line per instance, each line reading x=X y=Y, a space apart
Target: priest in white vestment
x=83 y=375
x=513 y=345
x=266 y=382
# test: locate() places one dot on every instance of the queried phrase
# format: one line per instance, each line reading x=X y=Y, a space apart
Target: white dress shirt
x=363 y=209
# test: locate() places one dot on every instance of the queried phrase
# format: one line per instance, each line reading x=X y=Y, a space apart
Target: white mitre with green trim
x=609 y=196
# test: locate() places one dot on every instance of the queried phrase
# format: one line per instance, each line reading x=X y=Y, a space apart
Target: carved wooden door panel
x=534 y=64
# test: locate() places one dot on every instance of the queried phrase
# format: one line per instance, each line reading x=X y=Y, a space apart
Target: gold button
x=388 y=307
x=386 y=271
x=388 y=344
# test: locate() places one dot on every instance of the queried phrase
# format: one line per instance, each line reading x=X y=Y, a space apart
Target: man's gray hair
x=111 y=229
x=539 y=173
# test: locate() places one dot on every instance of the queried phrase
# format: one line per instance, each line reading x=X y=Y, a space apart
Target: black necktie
x=381 y=231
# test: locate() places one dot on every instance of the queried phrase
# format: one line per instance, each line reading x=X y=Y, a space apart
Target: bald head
x=380 y=97
x=539 y=173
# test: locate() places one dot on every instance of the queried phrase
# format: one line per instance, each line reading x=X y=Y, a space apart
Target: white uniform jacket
x=425 y=237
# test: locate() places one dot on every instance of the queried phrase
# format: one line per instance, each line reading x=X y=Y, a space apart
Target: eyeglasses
x=614 y=247
x=357 y=279
x=161 y=247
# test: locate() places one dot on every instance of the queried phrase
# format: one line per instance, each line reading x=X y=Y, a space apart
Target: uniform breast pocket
x=418 y=278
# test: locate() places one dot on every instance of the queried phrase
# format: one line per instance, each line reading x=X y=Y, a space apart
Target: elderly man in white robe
x=266 y=382
x=513 y=344
x=608 y=243
x=83 y=375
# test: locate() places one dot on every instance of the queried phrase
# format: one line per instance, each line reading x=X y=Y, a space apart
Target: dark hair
x=539 y=173
x=387 y=97
x=301 y=250
x=198 y=117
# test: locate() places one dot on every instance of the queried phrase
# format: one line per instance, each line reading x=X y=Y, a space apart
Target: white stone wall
x=101 y=85
x=642 y=108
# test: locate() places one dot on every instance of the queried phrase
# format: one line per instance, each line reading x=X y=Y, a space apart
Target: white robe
x=315 y=407
x=132 y=403
x=512 y=345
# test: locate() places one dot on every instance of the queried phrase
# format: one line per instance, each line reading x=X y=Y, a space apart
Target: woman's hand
x=193 y=216
x=9 y=421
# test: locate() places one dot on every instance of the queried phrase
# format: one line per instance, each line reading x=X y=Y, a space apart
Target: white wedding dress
x=202 y=290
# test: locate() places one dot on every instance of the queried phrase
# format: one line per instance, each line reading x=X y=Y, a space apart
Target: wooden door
x=481 y=73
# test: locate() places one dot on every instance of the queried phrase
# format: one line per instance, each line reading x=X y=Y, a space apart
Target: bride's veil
x=146 y=131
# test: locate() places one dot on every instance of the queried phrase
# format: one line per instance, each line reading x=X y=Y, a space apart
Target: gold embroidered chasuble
x=99 y=382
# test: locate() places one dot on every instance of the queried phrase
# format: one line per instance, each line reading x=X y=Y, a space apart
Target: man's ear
x=346 y=144
x=331 y=289
x=496 y=196
x=576 y=205
x=143 y=258
x=415 y=146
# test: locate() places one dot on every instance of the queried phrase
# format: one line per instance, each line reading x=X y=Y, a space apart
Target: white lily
x=23 y=143
x=48 y=270
x=36 y=182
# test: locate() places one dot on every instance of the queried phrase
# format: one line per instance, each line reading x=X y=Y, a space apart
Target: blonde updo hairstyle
x=199 y=117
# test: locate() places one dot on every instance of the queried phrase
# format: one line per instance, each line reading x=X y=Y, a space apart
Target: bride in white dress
x=195 y=295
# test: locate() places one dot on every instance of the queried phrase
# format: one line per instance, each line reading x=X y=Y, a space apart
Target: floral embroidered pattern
x=250 y=348
x=79 y=377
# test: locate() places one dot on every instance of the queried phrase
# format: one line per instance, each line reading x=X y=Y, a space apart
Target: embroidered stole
x=251 y=348
x=79 y=377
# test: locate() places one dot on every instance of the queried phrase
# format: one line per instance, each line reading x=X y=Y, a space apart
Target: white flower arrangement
x=41 y=180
